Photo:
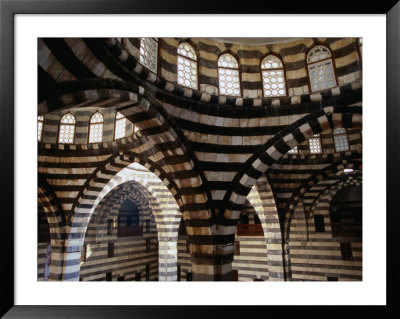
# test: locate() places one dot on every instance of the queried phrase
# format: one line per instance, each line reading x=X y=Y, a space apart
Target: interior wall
x=317 y=256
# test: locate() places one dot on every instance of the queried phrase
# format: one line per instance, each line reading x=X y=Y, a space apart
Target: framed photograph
x=225 y=158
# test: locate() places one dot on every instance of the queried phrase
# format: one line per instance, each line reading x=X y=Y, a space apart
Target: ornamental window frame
x=195 y=61
x=272 y=69
x=315 y=137
x=40 y=127
x=229 y=68
x=96 y=123
x=142 y=54
x=310 y=64
x=340 y=135
x=60 y=124
x=116 y=120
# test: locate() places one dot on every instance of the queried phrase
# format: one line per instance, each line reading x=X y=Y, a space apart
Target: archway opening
x=122 y=242
x=346 y=213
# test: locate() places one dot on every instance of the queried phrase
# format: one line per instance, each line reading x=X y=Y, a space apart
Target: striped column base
x=168 y=260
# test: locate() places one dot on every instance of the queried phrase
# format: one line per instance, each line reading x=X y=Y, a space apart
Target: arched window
x=148 y=53
x=96 y=128
x=273 y=76
x=187 y=66
x=228 y=75
x=340 y=139
x=40 y=127
x=320 y=68
x=120 y=126
x=315 y=144
x=67 y=129
x=128 y=214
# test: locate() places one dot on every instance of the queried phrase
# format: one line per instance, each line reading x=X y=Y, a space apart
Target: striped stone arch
x=327 y=193
x=312 y=181
x=142 y=178
x=112 y=202
x=48 y=200
x=87 y=202
x=83 y=91
x=165 y=210
x=57 y=227
x=141 y=108
x=264 y=157
x=88 y=198
x=279 y=145
x=332 y=190
x=168 y=148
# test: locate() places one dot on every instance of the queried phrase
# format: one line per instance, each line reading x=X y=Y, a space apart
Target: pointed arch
x=311 y=182
x=275 y=148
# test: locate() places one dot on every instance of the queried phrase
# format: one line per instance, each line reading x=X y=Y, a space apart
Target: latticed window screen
x=148 y=53
x=273 y=76
x=67 y=129
x=320 y=68
x=228 y=75
x=40 y=127
x=96 y=128
x=340 y=138
x=187 y=66
x=294 y=150
x=120 y=126
x=315 y=144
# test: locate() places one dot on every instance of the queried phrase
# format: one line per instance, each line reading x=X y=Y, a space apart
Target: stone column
x=167 y=259
x=275 y=260
x=203 y=261
x=286 y=260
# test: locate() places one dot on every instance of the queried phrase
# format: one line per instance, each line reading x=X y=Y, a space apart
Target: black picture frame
x=8 y=10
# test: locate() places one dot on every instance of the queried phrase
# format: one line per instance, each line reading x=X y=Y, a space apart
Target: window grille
x=315 y=144
x=149 y=53
x=320 y=68
x=96 y=128
x=66 y=129
x=228 y=75
x=187 y=66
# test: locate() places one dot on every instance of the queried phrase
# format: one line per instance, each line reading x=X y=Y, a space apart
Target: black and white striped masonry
x=210 y=152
